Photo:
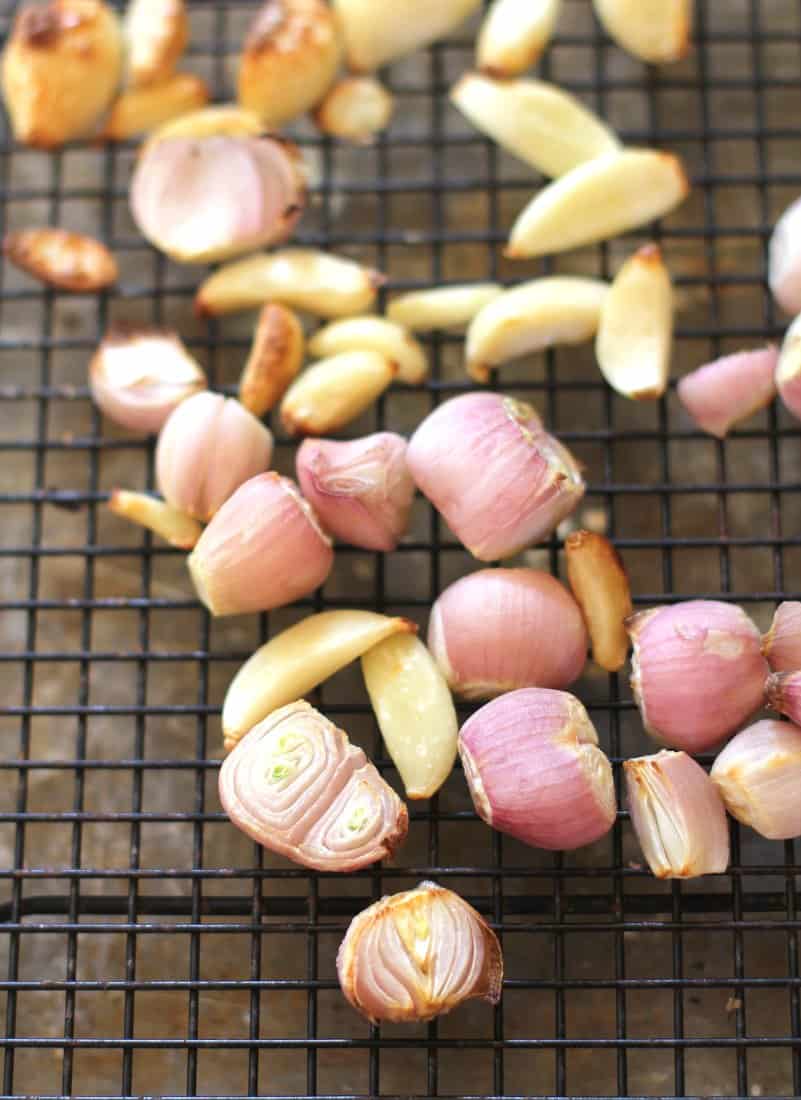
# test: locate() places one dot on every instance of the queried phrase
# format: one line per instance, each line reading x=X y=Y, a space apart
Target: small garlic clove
x=156 y=33
x=532 y=762
x=290 y=59
x=298 y=786
x=334 y=391
x=417 y=955
x=319 y=282
x=502 y=629
x=782 y=643
x=444 y=307
x=176 y=527
x=208 y=447
x=598 y=200
x=61 y=67
x=275 y=359
x=415 y=712
x=355 y=109
x=264 y=548
x=545 y=127
x=722 y=393
x=678 y=815
x=784 y=267
x=69 y=261
x=297 y=660
x=635 y=333
x=657 y=31
x=560 y=309
x=697 y=671
x=496 y=476
x=374 y=334
x=221 y=120
x=788 y=369
x=138 y=376
x=376 y=34
x=361 y=490
x=758 y=775
x=783 y=693
x=139 y=110
x=599 y=582
x=514 y=34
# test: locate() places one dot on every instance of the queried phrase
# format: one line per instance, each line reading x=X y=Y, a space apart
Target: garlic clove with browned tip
x=355 y=109
x=276 y=356
x=176 y=527
x=334 y=391
x=56 y=257
x=377 y=33
x=514 y=34
x=140 y=110
x=600 y=584
x=371 y=333
x=156 y=33
x=658 y=31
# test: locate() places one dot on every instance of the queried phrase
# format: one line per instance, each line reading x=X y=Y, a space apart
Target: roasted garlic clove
x=276 y=356
x=140 y=110
x=374 y=334
x=514 y=34
x=177 y=528
x=69 y=261
x=355 y=109
x=223 y=120
x=156 y=33
x=654 y=30
x=377 y=33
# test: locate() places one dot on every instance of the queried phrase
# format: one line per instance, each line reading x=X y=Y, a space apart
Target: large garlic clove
x=635 y=333
x=678 y=816
x=221 y=120
x=599 y=582
x=319 y=282
x=544 y=126
x=501 y=629
x=56 y=257
x=415 y=712
x=697 y=671
x=355 y=109
x=331 y=393
x=263 y=549
x=722 y=393
x=788 y=369
x=156 y=33
x=207 y=199
x=654 y=30
x=514 y=34
x=783 y=694
x=376 y=34
x=499 y=480
x=208 y=447
x=758 y=776
x=374 y=334
x=298 y=786
x=560 y=309
x=598 y=200
x=443 y=307
x=290 y=58
x=417 y=955
x=138 y=376
x=276 y=356
x=782 y=643
x=61 y=67
x=139 y=110
x=175 y=527
x=532 y=762
x=361 y=490
x=784 y=270
x=297 y=660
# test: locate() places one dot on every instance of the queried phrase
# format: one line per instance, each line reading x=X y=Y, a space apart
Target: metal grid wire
x=147 y=947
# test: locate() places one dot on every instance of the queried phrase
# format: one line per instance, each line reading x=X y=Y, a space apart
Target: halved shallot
x=784 y=271
x=758 y=775
x=788 y=369
x=514 y=34
x=599 y=582
x=374 y=334
x=782 y=643
x=721 y=394
x=377 y=33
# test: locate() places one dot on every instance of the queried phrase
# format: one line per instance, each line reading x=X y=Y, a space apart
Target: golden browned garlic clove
x=377 y=33
x=331 y=393
x=56 y=257
x=176 y=527
x=140 y=110
x=599 y=582
x=276 y=356
x=222 y=120
x=355 y=109
x=156 y=32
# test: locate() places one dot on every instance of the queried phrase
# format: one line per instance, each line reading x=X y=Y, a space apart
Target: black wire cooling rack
x=146 y=947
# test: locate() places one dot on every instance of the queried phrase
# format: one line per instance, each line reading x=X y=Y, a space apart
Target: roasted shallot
x=276 y=356
x=721 y=394
x=599 y=582
x=56 y=257
x=758 y=775
x=782 y=643
x=374 y=334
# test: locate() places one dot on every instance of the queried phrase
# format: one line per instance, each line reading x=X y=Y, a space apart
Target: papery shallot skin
x=500 y=481
x=298 y=786
x=697 y=671
x=501 y=629
x=361 y=490
x=417 y=955
x=783 y=691
x=758 y=775
x=720 y=394
x=782 y=643
x=532 y=762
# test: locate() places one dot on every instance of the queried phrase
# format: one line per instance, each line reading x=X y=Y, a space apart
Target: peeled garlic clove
x=222 y=120
x=499 y=480
x=444 y=307
x=657 y=31
x=56 y=257
x=598 y=580
x=782 y=643
x=176 y=527
x=61 y=67
x=331 y=393
x=598 y=200
x=138 y=376
x=139 y=110
x=208 y=447
x=361 y=490
x=544 y=126
x=319 y=282
x=297 y=660
x=514 y=34
x=502 y=629
x=355 y=109
x=721 y=394
x=788 y=369
x=276 y=356
x=415 y=712
x=264 y=548
x=758 y=776
x=290 y=59
x=376 y=34
x=560 y=309
x=784 y=269
x=374 y=334
x=783 y=693
x=417 y=955
x=635 y=334
x=532 y=762
x=298 y=786
x=156 y=33
x=697 y=671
